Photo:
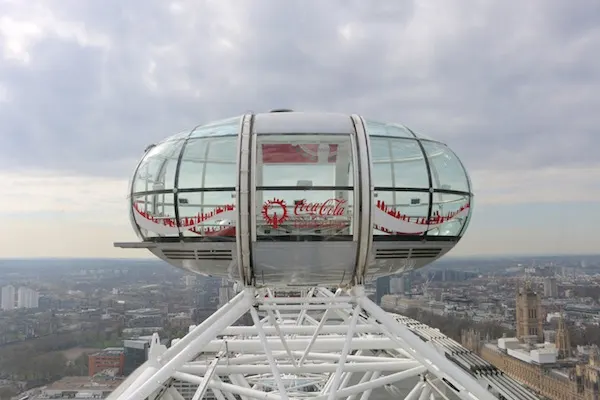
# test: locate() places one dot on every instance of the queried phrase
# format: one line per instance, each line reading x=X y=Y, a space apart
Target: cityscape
x=299 y=200
x=82 y=321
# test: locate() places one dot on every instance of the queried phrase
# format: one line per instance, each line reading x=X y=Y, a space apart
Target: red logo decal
x=306 y=215
x=328 y=208
x=275 y=212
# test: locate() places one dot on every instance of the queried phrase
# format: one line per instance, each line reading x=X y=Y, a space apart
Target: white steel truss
x=321 y=345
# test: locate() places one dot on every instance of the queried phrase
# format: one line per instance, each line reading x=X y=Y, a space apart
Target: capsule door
x=304 y=214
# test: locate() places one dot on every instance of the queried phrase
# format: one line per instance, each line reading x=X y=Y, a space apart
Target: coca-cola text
x=328 y=208
x=307 y=214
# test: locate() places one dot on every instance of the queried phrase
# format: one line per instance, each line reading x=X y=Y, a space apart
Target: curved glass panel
x=449 y=213
x=305 y=160
x=292 y=123
x=382 y=129
x=209 y=163
x=226 y=127
x=400 y=213
x=446 y=170
x=154 y=214
x=469 y=181
x=157 y=170
x=207 y=214
x=179 y=136
x=424 y=136
x=470 y=216
x=206 y=196
x=398 y=163
x=304 y=185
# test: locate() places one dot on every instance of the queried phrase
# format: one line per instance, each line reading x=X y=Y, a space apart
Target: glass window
x=226 y=127
x=304 y=212
x=400 y=213
x=207 y=214
x=157 y=170
x=304 y=160
x=209 y=163
x=446 y=170
x=294 y=164
x=398 y=163
x=179 y=136
x=155 y=215
x=381 y=174
x=449 y=213
x=423 y=136
x=470 y=216
x=382 y=129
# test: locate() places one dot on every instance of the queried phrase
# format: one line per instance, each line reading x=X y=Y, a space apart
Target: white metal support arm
x=337 y=346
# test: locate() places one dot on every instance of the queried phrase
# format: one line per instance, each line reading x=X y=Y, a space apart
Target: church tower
x=563 y=340
x=529 y=315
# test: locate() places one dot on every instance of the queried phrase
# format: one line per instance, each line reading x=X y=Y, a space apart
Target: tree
x=453 y=326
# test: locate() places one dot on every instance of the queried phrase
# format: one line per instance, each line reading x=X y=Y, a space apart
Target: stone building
x=563 y=380
x=560 y=378
x=529 y=315
x=563 y=340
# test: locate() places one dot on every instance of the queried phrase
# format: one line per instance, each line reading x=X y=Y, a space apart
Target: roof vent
x=280 y=110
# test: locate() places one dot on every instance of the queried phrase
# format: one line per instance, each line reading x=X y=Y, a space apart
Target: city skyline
x=510 y=88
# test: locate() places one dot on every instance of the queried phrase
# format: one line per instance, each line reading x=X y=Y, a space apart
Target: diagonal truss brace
x=316 y=354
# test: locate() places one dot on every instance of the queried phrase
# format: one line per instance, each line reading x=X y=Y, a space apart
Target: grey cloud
x=507 y=87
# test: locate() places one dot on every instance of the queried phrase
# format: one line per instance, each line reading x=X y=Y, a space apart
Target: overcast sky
x=513 y=87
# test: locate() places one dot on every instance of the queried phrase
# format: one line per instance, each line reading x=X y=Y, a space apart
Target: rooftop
x=110 y=351
x=80 y=383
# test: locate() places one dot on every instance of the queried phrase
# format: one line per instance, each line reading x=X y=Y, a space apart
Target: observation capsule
x=294 y=199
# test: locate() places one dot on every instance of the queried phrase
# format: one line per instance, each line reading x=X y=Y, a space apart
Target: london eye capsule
x=292 y=199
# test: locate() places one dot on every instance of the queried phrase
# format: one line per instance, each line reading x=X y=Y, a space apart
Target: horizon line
x=445 y=257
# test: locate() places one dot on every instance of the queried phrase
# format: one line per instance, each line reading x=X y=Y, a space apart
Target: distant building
x=27 y=298
x=541 y=371
x=582 y=310
x=179 y=321
x=132 y=333
x=529 y=315
x=144 y=318
x=547 y=368
x=226 y=293
x=109 y=358
x=136 y=353
x=563 y=339
x=401 y=304
x=187 y=390
x=397 y=285
x=382 y=288
x=189 y=280
x=8 y=297
x=78 y=387
x=400 y=284
x=550 y=287
x=549 y=336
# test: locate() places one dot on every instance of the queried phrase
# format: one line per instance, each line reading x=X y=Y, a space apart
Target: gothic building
x=563 y=340
x=529 y=315
x=565 y=379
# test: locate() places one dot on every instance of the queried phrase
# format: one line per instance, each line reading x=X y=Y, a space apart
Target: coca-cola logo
x=275 y=212
x=330 y=207
x=305 y=214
